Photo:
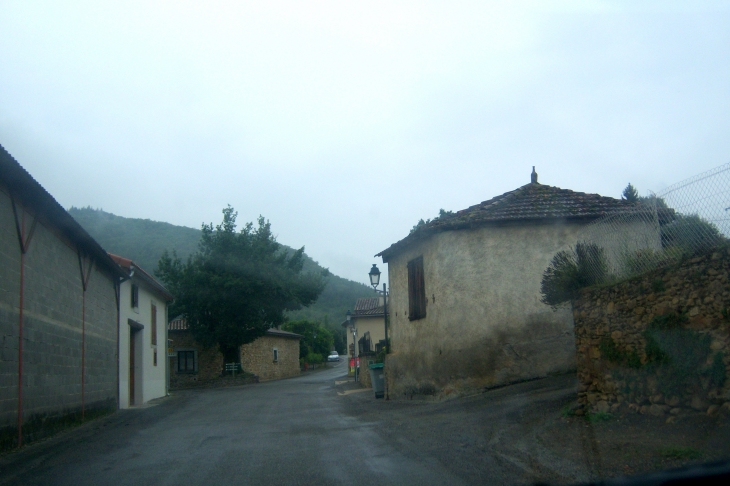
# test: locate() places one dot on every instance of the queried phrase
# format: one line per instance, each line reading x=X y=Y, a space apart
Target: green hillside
x=143 y=241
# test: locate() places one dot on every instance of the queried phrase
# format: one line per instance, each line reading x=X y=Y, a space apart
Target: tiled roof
x=367 y=307
x=180 y=324
x=139 y=272
x=530 y=203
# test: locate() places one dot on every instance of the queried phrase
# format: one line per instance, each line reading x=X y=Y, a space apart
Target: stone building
x=143 y=370
x=464 y=308
x=369 y=321
x=271 y=357
x=58 y=313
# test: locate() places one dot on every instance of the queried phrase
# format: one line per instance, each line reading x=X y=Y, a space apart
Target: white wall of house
x=150 y=375
x=484 y=324
x=374 y=325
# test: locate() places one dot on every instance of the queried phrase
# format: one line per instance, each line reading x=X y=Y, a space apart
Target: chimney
x=533 y=176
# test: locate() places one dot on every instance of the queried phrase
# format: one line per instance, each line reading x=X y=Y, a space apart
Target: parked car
x=334 y=356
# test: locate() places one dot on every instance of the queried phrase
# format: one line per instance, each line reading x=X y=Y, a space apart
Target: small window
x=135 y=296
x=154 y=357
x=153 y=326
x=276 y=355
x=416 y=290
x=186 y=362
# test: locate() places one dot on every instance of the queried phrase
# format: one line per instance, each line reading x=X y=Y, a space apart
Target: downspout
x=85 y=275
x=118 y=297
x=24 y=245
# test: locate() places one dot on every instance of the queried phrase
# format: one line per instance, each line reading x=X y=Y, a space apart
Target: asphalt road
x=320 y=429
x=291 y=431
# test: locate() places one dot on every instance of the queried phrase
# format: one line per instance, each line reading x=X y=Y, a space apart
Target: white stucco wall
x=150 y=379
x=484 y=324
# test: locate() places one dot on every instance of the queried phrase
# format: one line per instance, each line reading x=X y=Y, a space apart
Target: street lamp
x=374 y=281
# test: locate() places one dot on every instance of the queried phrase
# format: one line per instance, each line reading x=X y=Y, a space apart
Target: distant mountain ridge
x=144 y=241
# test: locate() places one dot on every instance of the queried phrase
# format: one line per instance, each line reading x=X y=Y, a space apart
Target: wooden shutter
x=153 y=320
x=416 y=289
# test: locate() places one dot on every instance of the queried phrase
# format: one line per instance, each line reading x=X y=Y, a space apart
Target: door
x=131 y=367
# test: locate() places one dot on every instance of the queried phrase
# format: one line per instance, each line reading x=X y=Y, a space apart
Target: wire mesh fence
x=688 y=218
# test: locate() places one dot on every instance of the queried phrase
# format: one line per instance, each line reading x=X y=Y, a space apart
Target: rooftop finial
x=533 y=176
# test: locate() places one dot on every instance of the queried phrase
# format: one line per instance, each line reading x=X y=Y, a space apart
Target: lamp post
x=353 y=329
x=374 y=281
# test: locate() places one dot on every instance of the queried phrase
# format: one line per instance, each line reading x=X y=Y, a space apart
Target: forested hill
x=143 y=241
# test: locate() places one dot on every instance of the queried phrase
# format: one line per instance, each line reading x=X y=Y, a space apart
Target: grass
x=598 y=417
x=680 y=453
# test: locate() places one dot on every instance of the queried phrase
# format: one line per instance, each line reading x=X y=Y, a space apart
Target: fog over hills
x=144 y=241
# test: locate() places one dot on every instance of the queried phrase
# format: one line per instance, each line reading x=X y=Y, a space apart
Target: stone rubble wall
x=613 y=321
x=258 y=357
x=209 y=362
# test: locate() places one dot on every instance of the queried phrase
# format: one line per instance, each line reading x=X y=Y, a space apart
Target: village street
x=311 y=430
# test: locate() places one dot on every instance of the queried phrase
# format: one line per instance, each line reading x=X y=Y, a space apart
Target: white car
x=334 y=356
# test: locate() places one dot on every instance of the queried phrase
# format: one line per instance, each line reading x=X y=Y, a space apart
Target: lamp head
x=374 y=276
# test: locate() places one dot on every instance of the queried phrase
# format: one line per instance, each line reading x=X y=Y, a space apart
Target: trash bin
x=377 y=378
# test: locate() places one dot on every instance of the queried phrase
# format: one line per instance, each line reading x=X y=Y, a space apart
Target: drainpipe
x=85 y=275
x=24 y=245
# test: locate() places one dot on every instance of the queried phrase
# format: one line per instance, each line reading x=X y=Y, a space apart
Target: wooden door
x=131 y=367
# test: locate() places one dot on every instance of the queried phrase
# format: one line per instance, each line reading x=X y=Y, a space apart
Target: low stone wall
x=657 y=344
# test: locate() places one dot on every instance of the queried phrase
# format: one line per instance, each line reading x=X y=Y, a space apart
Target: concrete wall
x=52 y=344
x=485 y=324
x=150 y=378
x=611 y=324
x=257 y=358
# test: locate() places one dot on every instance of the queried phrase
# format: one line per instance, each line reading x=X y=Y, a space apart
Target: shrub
x=571 y=270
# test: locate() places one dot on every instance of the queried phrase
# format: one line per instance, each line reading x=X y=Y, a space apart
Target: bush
x=571 y=270
x=314 y=358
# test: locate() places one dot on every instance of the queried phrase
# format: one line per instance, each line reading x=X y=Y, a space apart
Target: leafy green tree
x=238 y=284
x=317 y=338
x=570 y=271
x=630 y=194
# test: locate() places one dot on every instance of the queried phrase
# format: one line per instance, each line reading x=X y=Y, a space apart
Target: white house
x=143 y=363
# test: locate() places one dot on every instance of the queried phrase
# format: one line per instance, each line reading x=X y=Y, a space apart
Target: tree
x=570 y=271
x=630 y=194
x=317 y=339
x=238 y=284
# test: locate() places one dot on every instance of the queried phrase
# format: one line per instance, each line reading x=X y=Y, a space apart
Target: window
x=154 y=358
x=186 y=362
x=153 y=326
x=416 y=290
x=276 y=355
x=135 y=295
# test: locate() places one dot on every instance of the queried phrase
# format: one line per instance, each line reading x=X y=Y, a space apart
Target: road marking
x=341 y=382
x=347 y=392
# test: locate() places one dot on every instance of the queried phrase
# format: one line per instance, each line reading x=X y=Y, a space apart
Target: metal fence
x=688 y=218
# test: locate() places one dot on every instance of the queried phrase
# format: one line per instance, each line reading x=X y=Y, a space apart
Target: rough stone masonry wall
x=209 y=361
x=258 y=357
x=611 y=325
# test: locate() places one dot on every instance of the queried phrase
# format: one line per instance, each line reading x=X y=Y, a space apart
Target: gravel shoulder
x=523 y=434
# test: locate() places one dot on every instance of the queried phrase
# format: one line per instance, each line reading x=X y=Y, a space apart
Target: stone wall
x=659 y=343
x=485 y=324
x=258 y=357
x=209 y=362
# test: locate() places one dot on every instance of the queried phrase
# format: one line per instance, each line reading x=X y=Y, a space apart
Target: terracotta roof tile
x=180 y=324
x=530 y=203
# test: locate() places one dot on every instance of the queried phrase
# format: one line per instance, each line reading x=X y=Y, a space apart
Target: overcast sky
x=345 y=122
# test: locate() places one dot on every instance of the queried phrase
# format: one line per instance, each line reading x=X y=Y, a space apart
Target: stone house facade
x=369 y=319
x=143 y=370
x=464 y=308
x=58 y=313
x=271 y=357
